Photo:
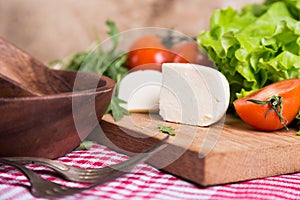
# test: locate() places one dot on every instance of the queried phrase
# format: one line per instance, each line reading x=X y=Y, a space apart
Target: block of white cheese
x=193 y=94
x=141 y=90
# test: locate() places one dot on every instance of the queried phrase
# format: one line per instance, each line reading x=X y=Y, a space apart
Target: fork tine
x=139 y=158
x=130 y=163
x=42 y=188
x=111 y=172
x=49 y=189
x=105 y=174
x=90 y=175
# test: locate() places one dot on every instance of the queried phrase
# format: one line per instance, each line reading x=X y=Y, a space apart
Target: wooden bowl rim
x=109 y=85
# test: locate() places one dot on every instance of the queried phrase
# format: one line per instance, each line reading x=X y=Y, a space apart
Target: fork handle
x=45 y=162
x=28 y=173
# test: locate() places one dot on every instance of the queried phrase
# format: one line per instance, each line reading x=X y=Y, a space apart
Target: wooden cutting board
x=229 y=151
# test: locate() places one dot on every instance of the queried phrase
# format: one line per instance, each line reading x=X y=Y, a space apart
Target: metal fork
x=41 y=187
x=85 y=175
x=44 y=188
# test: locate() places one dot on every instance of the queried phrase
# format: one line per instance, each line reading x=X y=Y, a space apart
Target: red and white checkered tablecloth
x=146 y=182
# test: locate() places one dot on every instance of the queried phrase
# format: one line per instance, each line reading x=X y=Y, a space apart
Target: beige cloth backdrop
x=53 y=29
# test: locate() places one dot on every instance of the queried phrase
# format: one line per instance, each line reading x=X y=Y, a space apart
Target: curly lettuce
x=255 y=47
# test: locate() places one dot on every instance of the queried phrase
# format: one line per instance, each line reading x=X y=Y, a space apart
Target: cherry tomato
x=148 y=52
x=262 y=116
x=188 y=52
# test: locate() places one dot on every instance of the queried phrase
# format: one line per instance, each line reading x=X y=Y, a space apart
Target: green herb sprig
x=110 y=63
x=166 y=129
x=84 y=145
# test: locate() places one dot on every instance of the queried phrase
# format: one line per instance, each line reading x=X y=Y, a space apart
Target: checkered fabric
x=146 y=182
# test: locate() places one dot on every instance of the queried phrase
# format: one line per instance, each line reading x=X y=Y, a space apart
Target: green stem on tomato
x=275 y=102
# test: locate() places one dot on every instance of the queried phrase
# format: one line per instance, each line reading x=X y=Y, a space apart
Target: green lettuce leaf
x=255 y=47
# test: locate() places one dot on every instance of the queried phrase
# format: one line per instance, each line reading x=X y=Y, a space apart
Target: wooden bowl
x=51 y=126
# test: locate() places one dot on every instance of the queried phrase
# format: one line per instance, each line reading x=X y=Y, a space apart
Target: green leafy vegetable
x=166 y=129
x=85 y=145
x=109 y=63
x=117 y=111
x=255 y=47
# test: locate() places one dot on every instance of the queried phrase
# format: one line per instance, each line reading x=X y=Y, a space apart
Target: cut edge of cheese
x=193 y=94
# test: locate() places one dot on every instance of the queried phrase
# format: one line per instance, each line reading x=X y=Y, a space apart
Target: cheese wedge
x=193 y=94
x=141 y=90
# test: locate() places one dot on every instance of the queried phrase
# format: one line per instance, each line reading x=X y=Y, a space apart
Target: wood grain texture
x=222 y=153
x=10 y=88
x=20 y=70
x=53 y=125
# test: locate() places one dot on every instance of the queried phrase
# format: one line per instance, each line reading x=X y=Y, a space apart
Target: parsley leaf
x=110 y=63
x=166 y=129
x=117 y=111
x=84 y=145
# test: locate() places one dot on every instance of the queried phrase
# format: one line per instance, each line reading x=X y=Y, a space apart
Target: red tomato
x=148 y=52
x=259 y=116
x=188 y=52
